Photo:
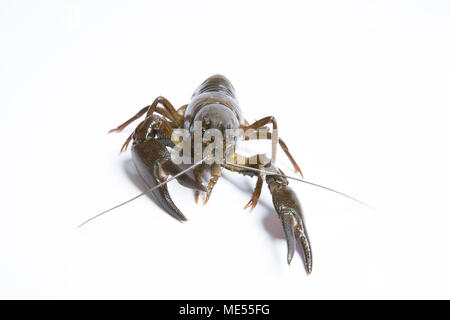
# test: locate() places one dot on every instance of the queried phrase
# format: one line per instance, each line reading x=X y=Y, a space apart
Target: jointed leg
x=141 y=131
x=284 y=148
x=198 y=171
x=291 y=158
x=126 y=123
x=215 y=175
x=254 y=162
x=247 y=161
x=181 y=110
x=164 y=112
x=256 y=193
x=127 y=142
x=143 y=126
x=169 y=112
x=261 y=123
x=169 y=107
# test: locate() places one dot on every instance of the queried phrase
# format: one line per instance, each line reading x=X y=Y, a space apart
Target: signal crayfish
x=214 y=120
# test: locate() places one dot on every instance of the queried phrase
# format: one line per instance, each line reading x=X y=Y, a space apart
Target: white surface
x=361 y=94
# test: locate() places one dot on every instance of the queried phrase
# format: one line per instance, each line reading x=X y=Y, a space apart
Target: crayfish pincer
x=289 y=210
x=153 y=163
x=202 y=135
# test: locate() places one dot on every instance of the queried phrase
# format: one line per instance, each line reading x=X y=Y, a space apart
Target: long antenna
x=298 y=179
x=144 y=192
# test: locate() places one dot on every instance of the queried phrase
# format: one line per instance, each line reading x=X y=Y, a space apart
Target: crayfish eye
x=203 y=131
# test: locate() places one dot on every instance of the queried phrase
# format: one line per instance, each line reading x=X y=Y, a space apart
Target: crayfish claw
x=152 y=161
x=303 y=240
x=288 y=222
x=289 y=210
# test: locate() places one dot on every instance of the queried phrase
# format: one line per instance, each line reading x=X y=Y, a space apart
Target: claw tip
x=289 y=260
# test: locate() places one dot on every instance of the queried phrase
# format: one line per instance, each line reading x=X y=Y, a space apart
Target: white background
x=360 y=90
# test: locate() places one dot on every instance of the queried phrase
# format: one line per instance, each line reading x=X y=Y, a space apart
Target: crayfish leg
x=256 y=193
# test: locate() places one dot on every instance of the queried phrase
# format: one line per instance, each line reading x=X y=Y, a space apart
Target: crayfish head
x=216 y=124
x=217 y=116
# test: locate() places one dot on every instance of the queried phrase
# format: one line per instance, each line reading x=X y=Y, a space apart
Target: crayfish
x=215 y=123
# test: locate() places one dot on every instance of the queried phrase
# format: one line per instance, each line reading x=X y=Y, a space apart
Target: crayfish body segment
x=213 y=108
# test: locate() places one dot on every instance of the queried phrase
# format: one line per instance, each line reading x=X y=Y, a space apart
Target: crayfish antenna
x=144 y=192
x=270 y=173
